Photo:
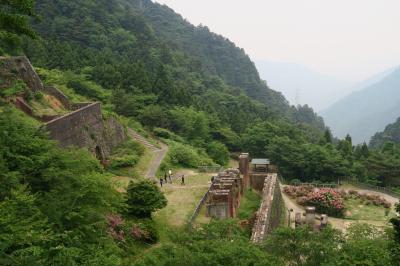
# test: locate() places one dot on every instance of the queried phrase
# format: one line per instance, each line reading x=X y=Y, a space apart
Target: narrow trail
x=156 y=162
x=160 y=153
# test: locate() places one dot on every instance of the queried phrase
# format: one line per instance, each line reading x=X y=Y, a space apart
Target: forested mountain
x=365 y=112
x=187 y=87
x=145 y=47
x=390 y=134
x=301 y=85
x=215 y=54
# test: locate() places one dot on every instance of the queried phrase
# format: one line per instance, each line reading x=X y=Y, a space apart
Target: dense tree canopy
x=14 y=22
x=203 y=95
x=143 y=198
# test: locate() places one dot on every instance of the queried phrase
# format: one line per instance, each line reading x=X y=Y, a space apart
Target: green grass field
x=357 y=210
x=182 y=201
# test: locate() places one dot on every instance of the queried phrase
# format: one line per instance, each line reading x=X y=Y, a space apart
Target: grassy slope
x=182 y=201
x=357 y=210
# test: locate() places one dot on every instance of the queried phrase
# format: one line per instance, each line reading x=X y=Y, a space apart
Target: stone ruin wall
x=12 y=68
x=224 y=195
x=270 y=213
x=84 y=126
x=257 y=181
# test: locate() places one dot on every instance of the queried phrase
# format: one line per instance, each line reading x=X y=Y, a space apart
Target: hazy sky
x=348 y=39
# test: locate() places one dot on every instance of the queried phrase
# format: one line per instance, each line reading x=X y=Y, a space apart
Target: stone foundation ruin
x=223 y=198
x=224 y=194
x=269 y=214
x=310 y=219
x=82 y=126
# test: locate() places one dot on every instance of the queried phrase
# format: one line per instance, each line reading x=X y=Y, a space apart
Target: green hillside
x=390 y=134
x=200 y=95
x=143 y=47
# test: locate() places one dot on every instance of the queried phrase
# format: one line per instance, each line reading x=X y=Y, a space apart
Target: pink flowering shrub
x=116 y=227
x=299 y=191
x=327 y=201
x=331 y=201
x=143 y=231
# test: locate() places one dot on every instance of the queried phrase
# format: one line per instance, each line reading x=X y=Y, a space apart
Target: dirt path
x=290 y=205
x=155 y=163
x=159 y=152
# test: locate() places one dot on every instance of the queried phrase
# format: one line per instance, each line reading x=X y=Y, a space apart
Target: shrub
x=144 y=231
x=124 y=161
x=116 y=227
x=38 y=95
x=143 y=198
x=326 y=201
x=300 y=191
x=127 y=154
x=86 y=88
x=185 y=155
x=28 y=94
x=295 y=182
x=353 y=192
x=166 y=134
x=218 y=152
x=371 y=199
x=17 y=88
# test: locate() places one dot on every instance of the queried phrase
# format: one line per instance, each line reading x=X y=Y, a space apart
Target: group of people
x=169 y=178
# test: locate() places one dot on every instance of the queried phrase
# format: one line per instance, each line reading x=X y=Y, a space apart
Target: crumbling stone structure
x=270 y=213
x=83 y=126
x=310 y=219
x=18 y=67
x=260 y=175
x=224 y=194
x=244 y=169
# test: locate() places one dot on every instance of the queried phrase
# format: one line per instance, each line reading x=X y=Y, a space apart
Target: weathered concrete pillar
x=310 y=216
x=297 y=219
x=324 y=220
x=244 y=168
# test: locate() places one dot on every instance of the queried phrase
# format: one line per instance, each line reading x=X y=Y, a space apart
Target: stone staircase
x=139 y=138
x=159 y=153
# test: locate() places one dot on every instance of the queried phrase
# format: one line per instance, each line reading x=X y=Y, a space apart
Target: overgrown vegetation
x=125 y=156
x=143 y=198
x=190 y=86
x=52 y=197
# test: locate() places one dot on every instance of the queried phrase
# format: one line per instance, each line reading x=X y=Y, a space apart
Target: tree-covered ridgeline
x=157 y=68
x=391 y=133
x=14 y=22
x=58 y=206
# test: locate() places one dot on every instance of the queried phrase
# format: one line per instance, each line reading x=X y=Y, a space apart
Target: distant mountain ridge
x=302 y=85
x=365 y=112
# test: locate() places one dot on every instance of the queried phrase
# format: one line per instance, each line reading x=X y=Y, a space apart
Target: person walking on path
x=161 y=182
x=165 y=177
x=183 y=180
x=170 y=175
